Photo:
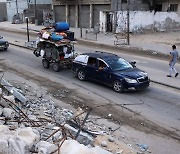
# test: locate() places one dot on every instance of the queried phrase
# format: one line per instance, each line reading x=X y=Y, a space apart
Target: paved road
x=157 y=69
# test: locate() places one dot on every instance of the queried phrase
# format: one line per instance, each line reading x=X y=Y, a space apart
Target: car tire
x=5 y=49
x=81 y=75
x=56 y=67
x=45 y=63
x=118 y=86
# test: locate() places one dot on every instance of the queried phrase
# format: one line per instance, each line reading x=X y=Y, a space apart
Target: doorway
x=109 y=22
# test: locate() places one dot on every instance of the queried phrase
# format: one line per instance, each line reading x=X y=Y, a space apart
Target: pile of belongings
x=59 y=32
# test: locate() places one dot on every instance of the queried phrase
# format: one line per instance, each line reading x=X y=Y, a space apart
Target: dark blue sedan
x=111 y=70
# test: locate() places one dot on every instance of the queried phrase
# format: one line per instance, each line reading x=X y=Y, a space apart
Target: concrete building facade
x=3 y=11
x=168 y=6
x=84 y=13
x=9 y=8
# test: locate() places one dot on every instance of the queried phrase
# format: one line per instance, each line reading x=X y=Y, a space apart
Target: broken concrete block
x=32 y=117
x=83 y=138
x=6 y=103
x=16 y=146
x=27 y=135
x=44 y=147
x=42 y=151
x=4 y=146
x=9 y=144
x=104 y=144
x=4 y=129
x=73 y=147
x=1 y=111
x=111 y=139
x=8 y=113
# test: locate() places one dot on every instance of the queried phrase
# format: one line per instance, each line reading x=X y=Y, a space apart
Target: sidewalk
x=157 y=43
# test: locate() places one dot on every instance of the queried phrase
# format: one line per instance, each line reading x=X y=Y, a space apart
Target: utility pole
x=27 y=28
x=17 y=7
x=128 y=24
x=28 y=4
x=115 y=9
x=35 y=11
x=80 y=18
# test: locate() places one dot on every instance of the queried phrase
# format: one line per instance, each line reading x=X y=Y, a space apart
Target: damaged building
x=107 y=13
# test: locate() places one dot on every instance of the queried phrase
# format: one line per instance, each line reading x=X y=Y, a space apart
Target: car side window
x=101 y=65
x=92 y=61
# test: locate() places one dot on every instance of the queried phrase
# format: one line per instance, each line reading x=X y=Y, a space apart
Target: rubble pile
x=38 y=126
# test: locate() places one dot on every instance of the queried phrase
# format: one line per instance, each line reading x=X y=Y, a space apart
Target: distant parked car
x=111 y=70
x=3 y=44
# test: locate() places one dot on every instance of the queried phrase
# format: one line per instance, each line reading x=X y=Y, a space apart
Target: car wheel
x=81 y=75
x=117 y=86
x=45 y=63
x=5 y=49
x=56 y=67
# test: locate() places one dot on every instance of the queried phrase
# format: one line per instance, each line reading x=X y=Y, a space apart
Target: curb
x=125 y=49
x=21 y=46
x=163 y=84
x=153 y=81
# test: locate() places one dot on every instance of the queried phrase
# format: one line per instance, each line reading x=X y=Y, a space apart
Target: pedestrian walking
x=172 y=62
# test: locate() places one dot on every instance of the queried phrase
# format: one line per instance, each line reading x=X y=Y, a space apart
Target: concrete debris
x=43 y=147
x=4 y=129
x=83 y=137
x=0 y=91
x=13 y=90
x=27 y=135
x=8 y=113
x=104 y=144
x=4 y=102
x=1 y=111
x=77 y=148
x=143 y=147
x=33 y=124
x=111 y=139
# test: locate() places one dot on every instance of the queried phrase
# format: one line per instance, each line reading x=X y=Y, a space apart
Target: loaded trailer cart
x=58 y=54
x=56 y=47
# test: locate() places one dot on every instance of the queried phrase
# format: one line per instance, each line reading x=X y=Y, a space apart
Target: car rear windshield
x=119 y=64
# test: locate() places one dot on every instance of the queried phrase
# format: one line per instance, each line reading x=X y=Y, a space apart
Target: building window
x=173 y=8
x=158 y=7
x=124 y=1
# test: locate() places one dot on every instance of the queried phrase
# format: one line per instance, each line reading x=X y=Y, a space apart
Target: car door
x=104 y=73
x=91 y=68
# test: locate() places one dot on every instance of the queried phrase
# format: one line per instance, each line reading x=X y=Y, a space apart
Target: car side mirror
x=1 y=37
x=133 y=63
